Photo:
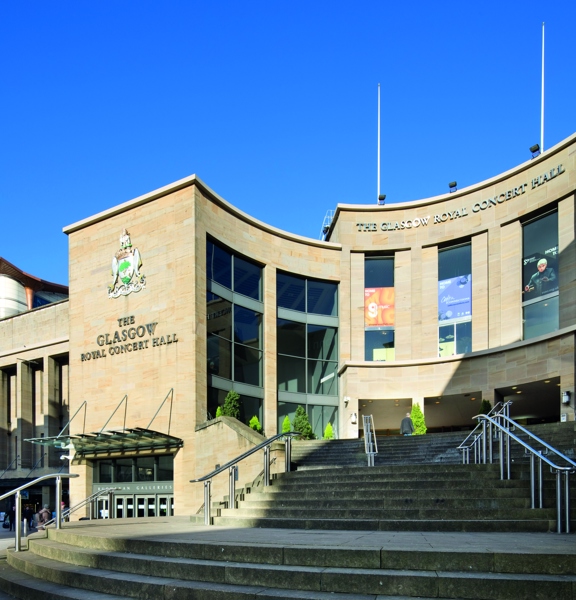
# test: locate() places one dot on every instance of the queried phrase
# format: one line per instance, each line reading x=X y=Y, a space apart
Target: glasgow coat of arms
x=126 y=276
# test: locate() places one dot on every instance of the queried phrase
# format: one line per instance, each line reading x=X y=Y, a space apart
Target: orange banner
x=379 y=307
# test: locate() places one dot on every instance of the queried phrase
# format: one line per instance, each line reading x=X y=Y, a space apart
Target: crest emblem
x=126 y=263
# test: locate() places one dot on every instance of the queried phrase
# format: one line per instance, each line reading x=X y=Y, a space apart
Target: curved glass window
x=379 y=308
x=234 y=316
x=455 y=300
x=540 y=276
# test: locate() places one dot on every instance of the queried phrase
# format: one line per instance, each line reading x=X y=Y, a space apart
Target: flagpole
x=378 y=169
x=542 y=100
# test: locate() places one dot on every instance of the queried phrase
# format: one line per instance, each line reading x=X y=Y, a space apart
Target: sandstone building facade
x=177 y=297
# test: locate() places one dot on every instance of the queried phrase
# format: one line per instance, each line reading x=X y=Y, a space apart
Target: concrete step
x=417 y=525
x=152 y=576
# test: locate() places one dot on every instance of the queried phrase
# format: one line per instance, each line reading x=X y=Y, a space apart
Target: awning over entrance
x=112 y=442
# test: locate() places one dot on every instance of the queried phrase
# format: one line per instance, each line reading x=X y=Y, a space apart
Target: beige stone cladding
x=169 y=227
x=33 y=388
x=405 y=382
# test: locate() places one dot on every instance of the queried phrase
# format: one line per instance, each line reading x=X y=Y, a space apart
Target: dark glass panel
x=251 y=407
x=123 y=470
x=145 y=468
x=219 y=316
x=247 y=327
x=463 y=337
x=290 y=292
x=322 y=298
x=322 y=342
x=291 y=374
x=379 y=272
x=219 y=357
x=286 y=409
x=322 y=378
x=247 y=278
x=218 y=265
x=541 y=318
x=105 y=469
x=454 y=262
x=291 y=338
x=378 y=344
x=247 y=365
x=165 y=468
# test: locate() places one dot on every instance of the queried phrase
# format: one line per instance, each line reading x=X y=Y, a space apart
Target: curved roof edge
x=30 y=281
x=461 y=192
x=193 y=180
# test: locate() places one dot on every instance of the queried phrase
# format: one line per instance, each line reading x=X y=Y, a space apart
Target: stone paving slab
x=180 y=529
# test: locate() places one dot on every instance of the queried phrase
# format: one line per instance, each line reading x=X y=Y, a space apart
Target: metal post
x=267 y=466
x=567 y=501
x=207 y=502
x=288 y=453
x=483 y=442
x=532 y=481
x=59 y=502
x=17 y=524
x=111 y=507
x=232 y=486
x=558 y=502
x=501 y=450
x=540 y=484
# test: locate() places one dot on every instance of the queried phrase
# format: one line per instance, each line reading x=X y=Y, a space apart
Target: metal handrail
x=233 y=469
x=18 y=513
x=370 y=443
x=68 y=511
x=561 y=498
x=498 y=409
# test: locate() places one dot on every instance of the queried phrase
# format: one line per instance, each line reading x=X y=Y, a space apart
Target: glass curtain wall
x=234 y=312
x=379 y=305
x=455 y=300
x=540 y=276
x=307 y=345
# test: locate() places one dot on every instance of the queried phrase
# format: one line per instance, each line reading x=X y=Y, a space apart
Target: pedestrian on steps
x=406 y=426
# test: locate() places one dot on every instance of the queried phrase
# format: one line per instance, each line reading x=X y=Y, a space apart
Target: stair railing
x=18 y=505
x=87 y=501
x=370 y=443
x=474 y=440
x=232 y=468
x=504 y=425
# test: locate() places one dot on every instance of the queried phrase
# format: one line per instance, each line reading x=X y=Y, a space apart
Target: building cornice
x=194 y=181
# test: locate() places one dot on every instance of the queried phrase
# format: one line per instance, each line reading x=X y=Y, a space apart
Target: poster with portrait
x=455 y=298
x=540 y=273
x=379 y=307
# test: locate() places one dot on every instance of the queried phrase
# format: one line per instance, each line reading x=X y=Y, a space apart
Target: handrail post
x=111 y=506
x=501 y=450
x=18 y=524
x=558 y=501
x=532 y=480
x=483 y=442
x=491 y=447
x=207 y=502
x=567 y=501
x=267 y=466
x=58 y=502
x=232 y=486
x=287 y=453
x=540 y=483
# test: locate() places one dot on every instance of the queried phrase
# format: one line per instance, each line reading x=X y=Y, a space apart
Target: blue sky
x=273 y=104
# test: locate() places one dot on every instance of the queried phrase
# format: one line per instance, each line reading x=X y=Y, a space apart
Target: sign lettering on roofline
x=464 y=211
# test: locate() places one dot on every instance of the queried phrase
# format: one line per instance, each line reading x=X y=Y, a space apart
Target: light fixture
x=535 y=149
x=381 y=199
x=566 y=397
x=519 y=392
x=353 y=418
x=452 y=186
x=546 y=381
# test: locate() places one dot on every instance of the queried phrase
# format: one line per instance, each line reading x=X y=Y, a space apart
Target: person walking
x=406 y=426
x=44 y=515
x=12 y=517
